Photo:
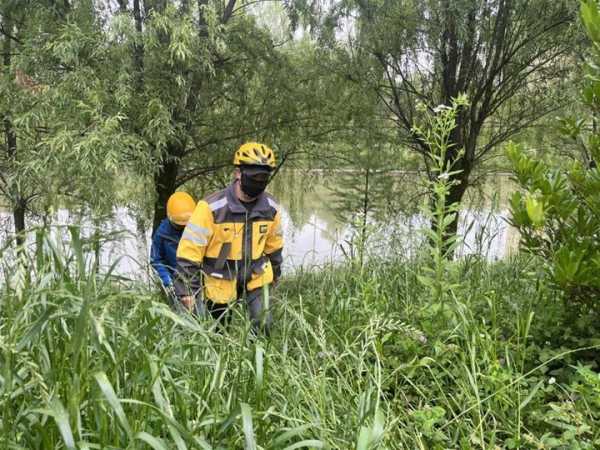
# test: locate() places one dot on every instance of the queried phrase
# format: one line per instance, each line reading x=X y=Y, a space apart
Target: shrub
x=558 y=213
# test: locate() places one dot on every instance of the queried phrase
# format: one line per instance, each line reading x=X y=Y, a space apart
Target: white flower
x=552 y=380
x=440 y=108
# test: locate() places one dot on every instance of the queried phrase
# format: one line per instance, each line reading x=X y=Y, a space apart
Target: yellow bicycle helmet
x=254 y=154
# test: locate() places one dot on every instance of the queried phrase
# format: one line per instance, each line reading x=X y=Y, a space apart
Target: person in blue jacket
x=163 y=254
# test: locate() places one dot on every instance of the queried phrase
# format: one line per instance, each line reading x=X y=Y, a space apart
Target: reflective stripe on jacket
x=230 y=245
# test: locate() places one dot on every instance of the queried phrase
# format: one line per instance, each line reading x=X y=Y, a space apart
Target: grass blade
x=378 y=427
x=165 y=405
x=259 y=360
x=35 y=329
x=364 y=436
x=154 y=442
x=111 y=397
x=248 y=427
x=58 y=412
x=309 y=443
x=531 y=394
x=285 y=437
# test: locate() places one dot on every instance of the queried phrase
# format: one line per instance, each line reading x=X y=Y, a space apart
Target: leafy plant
x=557 y=212
x=90 y=360
x=441 y=241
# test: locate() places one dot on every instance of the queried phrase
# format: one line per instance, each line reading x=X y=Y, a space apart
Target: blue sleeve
x=158 y=260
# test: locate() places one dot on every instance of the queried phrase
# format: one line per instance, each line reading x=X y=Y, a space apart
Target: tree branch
x=228 y=11
x=9 y=36
x=193 y=173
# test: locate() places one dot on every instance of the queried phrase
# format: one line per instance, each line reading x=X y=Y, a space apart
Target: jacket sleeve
x=158 y=260
x=274 y=246
x=191 y=250
x=188 y=278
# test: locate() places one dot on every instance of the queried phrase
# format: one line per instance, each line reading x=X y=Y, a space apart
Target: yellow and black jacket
x=227 y=248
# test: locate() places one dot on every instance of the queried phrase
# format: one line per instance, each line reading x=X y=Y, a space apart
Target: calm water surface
x=314 y=234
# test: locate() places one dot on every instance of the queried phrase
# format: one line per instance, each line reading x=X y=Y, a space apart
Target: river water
x=314 y=234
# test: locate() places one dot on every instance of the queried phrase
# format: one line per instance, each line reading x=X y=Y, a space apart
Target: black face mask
x=177 y=226
x=253 y=186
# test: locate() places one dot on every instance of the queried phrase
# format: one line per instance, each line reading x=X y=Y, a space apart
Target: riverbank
x=359 y=358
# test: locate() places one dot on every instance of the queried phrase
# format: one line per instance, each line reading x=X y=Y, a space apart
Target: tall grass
x=359 y=359
x=421 y=353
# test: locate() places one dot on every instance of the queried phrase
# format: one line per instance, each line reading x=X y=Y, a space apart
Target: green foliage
x=558 y=220
x=363 y=191
x=356 y=360
x=56 y=95
x=511 y=59
x=557 y=215
x=113 y=107
x=440 y=244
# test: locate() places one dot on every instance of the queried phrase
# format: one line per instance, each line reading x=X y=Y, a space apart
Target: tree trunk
x=202 y=26
x=459 y=182
x=19 y=219
x=10 y=136
x=165 y=183
x=18 y=202
x=456 y=194
x=138 y=49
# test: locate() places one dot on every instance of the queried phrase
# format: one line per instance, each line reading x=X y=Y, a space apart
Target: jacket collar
x=167 y=230
x=235 y=205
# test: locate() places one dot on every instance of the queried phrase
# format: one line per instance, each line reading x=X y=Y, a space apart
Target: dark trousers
x=261 y=319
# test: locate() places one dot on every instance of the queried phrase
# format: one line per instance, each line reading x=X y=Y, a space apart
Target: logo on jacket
x=263 y=229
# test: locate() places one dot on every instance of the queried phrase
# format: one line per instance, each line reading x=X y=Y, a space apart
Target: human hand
x=188 y=302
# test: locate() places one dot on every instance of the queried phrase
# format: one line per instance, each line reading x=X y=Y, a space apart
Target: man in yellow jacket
x=232 y=245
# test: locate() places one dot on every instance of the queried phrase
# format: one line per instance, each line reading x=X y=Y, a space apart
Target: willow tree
x=509 y=57
x=202 y=78
x=60 y=140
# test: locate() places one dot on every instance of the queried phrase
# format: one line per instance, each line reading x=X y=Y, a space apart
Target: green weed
x=357 y=360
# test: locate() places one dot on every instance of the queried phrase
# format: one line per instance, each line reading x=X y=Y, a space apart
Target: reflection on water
x=120 y=244
x=313 y=234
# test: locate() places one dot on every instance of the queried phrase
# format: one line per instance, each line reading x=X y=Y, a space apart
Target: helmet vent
x=254 y=153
